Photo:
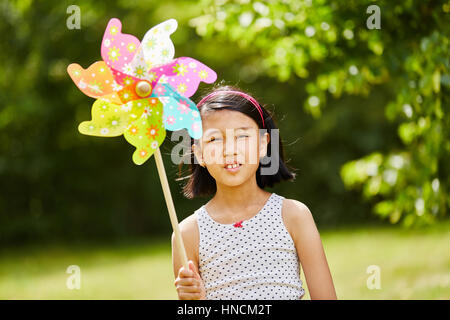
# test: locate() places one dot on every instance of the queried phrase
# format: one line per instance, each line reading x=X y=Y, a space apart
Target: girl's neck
x=247 y=195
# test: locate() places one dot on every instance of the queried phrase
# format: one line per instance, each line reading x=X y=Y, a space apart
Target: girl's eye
x=218 y=139
x=213 y=139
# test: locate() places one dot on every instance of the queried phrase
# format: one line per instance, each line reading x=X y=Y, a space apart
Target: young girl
x=245 y=243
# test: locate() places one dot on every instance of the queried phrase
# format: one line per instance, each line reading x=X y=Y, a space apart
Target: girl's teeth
x=231 y=166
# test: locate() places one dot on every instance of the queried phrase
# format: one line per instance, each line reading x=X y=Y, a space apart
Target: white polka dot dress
x=250 y=259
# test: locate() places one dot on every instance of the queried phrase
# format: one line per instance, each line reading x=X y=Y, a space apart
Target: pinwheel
x=141 y=92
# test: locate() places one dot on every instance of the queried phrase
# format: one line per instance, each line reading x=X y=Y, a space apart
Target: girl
x=245 y=243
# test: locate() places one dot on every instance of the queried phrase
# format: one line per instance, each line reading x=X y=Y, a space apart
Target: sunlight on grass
x=413 y=264
x=137 y=271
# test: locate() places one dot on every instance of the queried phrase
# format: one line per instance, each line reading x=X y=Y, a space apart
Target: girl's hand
x=189 y=284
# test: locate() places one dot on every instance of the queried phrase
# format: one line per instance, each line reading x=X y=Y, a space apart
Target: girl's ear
x=198 y=153
x=263 y=143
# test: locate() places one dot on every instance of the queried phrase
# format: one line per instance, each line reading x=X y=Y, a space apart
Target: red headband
x=242 y=94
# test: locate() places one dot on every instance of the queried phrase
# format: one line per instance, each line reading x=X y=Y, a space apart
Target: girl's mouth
x=233 y=167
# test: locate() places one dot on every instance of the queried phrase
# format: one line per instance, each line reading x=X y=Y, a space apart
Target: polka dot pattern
x=256 y=260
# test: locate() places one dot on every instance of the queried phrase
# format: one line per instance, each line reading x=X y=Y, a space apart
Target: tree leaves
x=328 y=44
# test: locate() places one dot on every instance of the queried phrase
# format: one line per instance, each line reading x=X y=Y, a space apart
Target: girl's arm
x=189 y=284
x=300 y=224
x=190 y=235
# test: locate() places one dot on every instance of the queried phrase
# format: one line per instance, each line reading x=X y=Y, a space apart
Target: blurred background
x=361 y=96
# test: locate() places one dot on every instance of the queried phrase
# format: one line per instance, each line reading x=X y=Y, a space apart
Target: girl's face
x=230 y=137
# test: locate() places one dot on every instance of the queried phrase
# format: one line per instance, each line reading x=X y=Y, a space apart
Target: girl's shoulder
x=189 y=225
x=294 y=209
x=296 y=216
x=191 y=236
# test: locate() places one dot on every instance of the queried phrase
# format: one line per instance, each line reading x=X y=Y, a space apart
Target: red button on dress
x=238 y=224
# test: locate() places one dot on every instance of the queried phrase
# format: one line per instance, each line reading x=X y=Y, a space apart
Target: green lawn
x=413 y=265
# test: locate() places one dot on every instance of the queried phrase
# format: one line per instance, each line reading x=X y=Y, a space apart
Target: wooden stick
x=171 y=208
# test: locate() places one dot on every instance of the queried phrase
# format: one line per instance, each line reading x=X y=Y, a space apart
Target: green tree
x=329 y=44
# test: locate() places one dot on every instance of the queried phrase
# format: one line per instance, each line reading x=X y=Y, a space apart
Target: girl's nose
x=229 y=147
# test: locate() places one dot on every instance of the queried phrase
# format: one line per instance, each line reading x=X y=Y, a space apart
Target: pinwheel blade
x=146 y=133
x=185 y=75
x=179 y=112
x=118 y=49
x=156 y=48
x=96 y=81
x=111 y=120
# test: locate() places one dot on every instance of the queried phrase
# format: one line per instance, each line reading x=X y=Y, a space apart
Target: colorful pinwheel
x=141 y=91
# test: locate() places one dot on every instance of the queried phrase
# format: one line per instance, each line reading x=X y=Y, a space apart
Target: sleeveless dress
x=251 y=259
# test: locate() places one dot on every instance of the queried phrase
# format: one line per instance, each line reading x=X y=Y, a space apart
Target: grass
x=413 y=264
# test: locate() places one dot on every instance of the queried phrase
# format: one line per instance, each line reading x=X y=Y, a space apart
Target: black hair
x=200 y=182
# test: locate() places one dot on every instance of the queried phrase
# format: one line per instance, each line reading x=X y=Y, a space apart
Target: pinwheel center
x=143 y=89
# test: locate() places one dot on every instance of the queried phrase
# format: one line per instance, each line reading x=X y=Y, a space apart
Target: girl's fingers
x=185 y=282
x=189 y=284
x=184 y=273
x=193 y=268
x=189 y=296
x=188 y=289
